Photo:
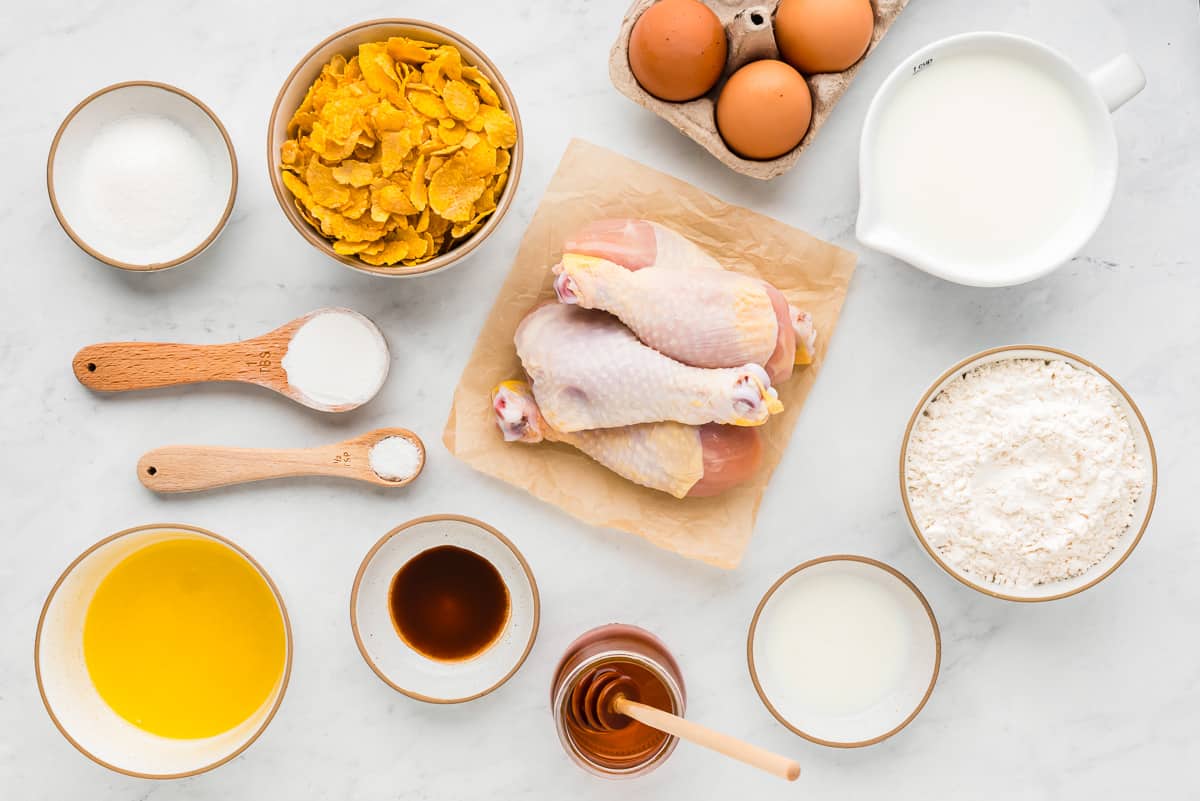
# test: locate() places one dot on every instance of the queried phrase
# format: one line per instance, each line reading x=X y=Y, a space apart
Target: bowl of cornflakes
x=395 y=147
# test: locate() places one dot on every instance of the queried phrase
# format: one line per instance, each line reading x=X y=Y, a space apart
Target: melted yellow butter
x=184 y=639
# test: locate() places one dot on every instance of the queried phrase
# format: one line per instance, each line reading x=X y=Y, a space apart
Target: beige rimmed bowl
x=345 y=42
x=904 y=698
x=1142 y=510
x=412 y=673
x=75 y=706
x=65 y=179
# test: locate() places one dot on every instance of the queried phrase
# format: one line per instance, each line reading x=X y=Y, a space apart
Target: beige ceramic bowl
x=346 y=42
x=905 y=695
x=1141 y=511
x=409 y=672
x=67 y=181
x=78 y=710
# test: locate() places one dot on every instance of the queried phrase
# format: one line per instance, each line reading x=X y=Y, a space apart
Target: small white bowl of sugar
x=142 y=176
x=1028 y=473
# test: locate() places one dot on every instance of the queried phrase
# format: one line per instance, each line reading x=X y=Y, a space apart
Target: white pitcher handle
x=1118 y=81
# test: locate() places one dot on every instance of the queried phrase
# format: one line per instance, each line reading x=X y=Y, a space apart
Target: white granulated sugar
x=148 y=190
x=1024 y=472
x=394 y=458
x=337 y=358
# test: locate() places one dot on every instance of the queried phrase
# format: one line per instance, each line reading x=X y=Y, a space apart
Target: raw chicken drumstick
x=678 y=300
x=702 y=317
x=637 y=244
x=684 y=461
x=590 y=371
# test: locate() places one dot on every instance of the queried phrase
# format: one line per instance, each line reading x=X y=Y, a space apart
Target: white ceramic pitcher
x=1097 y=94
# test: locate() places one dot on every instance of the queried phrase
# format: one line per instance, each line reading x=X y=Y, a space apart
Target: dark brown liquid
x=633 y=745
x=449 y=603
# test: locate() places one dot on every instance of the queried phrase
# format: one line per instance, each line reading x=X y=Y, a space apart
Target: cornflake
x=398 y=153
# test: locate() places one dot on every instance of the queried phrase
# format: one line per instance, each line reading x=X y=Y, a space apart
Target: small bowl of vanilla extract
x=444 y=609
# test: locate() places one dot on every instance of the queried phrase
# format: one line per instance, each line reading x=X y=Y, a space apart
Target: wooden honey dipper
x=606 y=700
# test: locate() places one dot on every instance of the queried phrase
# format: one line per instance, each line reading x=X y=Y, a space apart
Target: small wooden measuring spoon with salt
x=383 y=457
x=331 y=359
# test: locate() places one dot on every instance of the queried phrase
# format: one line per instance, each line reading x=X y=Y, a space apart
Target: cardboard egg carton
x=751 y=36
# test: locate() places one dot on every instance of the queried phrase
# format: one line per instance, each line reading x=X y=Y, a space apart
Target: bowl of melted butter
x=163 y=651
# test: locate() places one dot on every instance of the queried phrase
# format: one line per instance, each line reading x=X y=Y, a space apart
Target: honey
x=634 y=749
x=449 y=603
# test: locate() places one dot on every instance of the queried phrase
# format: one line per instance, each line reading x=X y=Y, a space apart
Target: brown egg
x=764 y=110
x=677 y=49
x=823 y=35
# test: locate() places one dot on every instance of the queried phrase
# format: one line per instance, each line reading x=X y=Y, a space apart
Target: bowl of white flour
x=1028 y=473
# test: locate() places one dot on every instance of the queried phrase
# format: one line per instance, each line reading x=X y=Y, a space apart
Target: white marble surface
x=1092 y=697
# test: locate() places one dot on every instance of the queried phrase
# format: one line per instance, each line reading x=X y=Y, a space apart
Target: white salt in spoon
x=387 y=457
x=331 y=359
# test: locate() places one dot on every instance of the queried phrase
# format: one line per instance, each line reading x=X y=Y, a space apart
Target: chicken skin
x=589 y=371
x=678 y=300
x=681 y=460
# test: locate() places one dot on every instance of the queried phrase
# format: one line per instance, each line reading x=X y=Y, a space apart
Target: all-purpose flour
x=337 y=357
x=1024 y=471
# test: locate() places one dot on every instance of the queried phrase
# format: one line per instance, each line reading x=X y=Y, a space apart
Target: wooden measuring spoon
x=187 y=468
x=121 y=366
x=606 y=700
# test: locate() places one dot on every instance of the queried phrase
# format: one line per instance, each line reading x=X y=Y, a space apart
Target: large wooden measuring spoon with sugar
x=331 y=359
x=607 y=700
x=370 y=457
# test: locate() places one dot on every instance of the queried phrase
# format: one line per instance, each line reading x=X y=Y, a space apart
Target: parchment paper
x=593 y=183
